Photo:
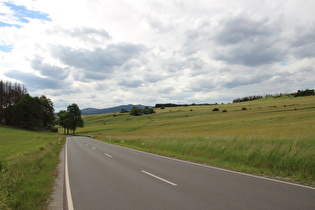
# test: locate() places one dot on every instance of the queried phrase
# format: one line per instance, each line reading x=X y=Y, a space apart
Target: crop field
x=28 y=161
x=272 y=137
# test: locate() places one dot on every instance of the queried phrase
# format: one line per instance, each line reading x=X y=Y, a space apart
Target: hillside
x=273 y=136
x=116 y=109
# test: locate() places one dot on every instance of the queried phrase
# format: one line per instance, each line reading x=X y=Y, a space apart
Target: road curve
x=105 y=176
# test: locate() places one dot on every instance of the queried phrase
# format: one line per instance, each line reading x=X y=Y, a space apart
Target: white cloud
x=106 y=53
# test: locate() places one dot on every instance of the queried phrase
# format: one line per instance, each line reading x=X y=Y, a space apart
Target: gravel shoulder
x=56 y=201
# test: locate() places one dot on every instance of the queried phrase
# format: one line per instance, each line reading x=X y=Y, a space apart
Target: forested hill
x=116 y=109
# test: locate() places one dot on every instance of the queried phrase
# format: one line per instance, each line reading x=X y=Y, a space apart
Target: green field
x=273 y=137
x=28 y=161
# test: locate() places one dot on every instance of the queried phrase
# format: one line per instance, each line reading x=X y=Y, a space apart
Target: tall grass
x=277 y=157
x=272 y=137
x=28 y=161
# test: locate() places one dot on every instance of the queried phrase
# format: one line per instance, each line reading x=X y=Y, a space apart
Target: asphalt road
x=105 y=176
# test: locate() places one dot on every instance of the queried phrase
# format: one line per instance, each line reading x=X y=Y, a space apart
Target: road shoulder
x=56 y=202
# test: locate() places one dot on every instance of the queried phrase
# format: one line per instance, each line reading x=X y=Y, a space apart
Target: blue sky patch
x=2 y=24
x=23 y=15
x=6 y=48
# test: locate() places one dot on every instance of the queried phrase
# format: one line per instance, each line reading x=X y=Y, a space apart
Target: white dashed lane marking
x=108 y=155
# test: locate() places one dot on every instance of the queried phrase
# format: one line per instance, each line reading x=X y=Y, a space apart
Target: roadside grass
x=272 y=137
x=28 y=162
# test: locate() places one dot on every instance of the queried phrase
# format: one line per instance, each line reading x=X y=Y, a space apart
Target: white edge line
x=217 y=168
x=108 y=155
x=213 y=167
x=68 y=191
x=157 y=177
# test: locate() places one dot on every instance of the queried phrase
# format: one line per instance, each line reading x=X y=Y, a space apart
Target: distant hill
x=116 y=109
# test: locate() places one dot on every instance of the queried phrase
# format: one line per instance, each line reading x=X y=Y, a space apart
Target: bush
x=224 y=110
x=148 y=110
x=244 y=108
x=215 y=109
x=135 y=111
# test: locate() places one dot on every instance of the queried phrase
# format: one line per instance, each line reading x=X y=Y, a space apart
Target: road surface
x=105 y=176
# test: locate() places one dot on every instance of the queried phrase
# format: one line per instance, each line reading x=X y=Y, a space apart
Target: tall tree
x=27 y=112
x=10 y=94
x=72 y=118
x=47 y=109
x=63 y=120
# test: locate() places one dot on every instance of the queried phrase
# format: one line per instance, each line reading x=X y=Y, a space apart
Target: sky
x=101 y=53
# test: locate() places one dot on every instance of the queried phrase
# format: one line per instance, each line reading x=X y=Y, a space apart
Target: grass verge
x=28 y=163
x=288 y=159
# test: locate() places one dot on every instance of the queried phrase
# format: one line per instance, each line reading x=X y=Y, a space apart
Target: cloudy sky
x=103 y=53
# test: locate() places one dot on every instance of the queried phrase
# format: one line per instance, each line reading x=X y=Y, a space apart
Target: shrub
x=135 y=111
x=148 y=110
x=244 y=108
x=224 y=110
x=215 y=109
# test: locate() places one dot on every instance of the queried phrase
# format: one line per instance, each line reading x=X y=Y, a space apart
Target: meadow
x=28 y=161
x=272 y=137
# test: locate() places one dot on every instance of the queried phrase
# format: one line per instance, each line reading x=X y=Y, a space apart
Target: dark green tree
x=47 y=109
x=10 y=94
x=147 y=110
x=135 y=111
x=63 y=120
x=74 y=117
x=27 y=112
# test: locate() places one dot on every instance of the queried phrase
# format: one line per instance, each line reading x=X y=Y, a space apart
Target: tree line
x=10 y=94
x=18 y=108
x=299 y=93
x=247 y=98
x=162 y=106
x=307 y=92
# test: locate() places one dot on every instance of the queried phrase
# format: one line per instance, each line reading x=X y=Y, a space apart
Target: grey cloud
x=166 y=90
x=242 y=28
x=204 y=84
x=33 y=81
x=98 y=60
x=307 y=69
x=304 y=43
x=48 y=70
x=130 y=83
x=153 y=77
x=182 y=62
x=249 y=41
x=251 y=54
x=84 y=34
x=88 y=75
x=160 y=25
x=241 y=80
x=87 y=31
